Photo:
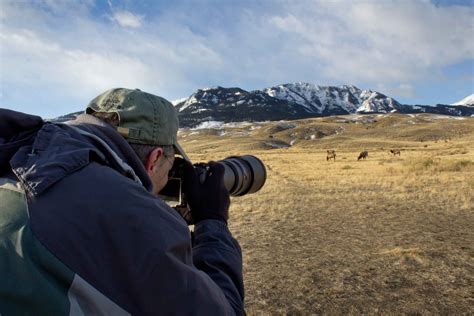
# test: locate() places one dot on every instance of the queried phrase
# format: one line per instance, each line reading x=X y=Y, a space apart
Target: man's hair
x=142 y=151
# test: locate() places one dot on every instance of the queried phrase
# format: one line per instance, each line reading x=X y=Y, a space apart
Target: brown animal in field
x=363 y=155
x=331 y=155
x=395 y=151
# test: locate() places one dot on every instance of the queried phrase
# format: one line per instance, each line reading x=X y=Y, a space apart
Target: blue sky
x=57 y=55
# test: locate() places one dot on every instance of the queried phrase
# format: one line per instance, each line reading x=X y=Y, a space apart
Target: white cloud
x=36 y=60
x=385 y=40
x=405 y=90
x=69 y=50
x=127 y=19
x=86 y=57
x=289 y=23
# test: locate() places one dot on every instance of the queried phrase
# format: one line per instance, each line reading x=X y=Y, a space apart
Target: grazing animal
x=363 y=155
x=395 y=151
x=331 y=155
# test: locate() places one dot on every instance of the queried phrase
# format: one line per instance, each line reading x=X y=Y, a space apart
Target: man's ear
x=153 y=156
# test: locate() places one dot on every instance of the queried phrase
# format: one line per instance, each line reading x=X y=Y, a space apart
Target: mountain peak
x=327 y=100
x=469 y=101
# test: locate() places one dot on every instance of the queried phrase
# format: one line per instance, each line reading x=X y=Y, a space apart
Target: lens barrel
x=243 y=174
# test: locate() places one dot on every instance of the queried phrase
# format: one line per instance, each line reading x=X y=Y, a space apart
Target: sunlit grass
x=389 y=234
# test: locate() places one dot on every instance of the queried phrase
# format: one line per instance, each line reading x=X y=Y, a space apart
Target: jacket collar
x=59 y=150
x=116 y=142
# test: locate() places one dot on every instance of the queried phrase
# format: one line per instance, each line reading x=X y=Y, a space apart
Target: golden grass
x=385 y=235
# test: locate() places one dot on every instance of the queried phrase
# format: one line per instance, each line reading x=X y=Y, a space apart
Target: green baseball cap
x=144 y=118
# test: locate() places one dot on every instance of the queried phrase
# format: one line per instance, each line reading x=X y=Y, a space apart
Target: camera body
x=243 y=175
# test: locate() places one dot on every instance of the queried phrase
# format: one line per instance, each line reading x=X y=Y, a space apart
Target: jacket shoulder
x=105 y=226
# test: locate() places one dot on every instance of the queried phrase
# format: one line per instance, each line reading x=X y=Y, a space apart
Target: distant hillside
x=454 y=110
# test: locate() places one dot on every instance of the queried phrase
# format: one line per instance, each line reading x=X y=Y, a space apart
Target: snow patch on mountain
x=178 y=101
x=333 y=100
x=209 y=124
x=221 y=125
x=469 y=101
x=377 y=102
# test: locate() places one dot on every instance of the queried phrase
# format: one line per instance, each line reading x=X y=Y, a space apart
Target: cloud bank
x=57 y=55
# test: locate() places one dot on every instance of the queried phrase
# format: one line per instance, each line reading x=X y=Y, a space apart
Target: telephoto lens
x=243 y=174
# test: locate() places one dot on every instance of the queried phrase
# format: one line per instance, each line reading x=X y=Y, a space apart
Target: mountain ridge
x=294 y=101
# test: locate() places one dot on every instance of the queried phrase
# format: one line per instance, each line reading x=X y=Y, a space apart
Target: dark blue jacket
x=110 y=245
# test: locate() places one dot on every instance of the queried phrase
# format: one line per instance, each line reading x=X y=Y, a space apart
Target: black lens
x=243 y=174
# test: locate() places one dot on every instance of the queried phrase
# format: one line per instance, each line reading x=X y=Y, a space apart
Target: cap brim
x=180 y=151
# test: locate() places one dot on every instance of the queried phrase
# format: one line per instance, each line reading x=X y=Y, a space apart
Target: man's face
x=159 y=173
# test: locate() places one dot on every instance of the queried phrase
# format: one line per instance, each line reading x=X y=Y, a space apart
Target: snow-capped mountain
x=234 y=105
x=468 y=101
x=330 y=100
x=288 y=101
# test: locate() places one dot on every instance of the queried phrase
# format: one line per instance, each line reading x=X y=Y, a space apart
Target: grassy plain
x=385 y=235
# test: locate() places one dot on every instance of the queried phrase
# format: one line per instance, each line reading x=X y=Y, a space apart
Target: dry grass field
x=385 y=235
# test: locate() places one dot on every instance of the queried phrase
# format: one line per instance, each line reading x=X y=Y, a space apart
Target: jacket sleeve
x=218 y=254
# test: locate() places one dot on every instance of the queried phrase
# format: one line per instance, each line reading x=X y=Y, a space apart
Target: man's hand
x=206 y=195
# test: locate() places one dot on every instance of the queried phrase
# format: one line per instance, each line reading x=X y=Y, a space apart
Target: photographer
x=82 y=230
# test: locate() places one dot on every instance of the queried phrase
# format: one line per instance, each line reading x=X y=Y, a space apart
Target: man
x=82 y=231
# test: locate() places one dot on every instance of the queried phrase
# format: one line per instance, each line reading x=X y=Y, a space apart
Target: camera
x=242 y=175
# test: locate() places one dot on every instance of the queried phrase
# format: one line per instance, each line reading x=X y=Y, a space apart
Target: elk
x=331 y=155
x=395 y=151
x=363 y=155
